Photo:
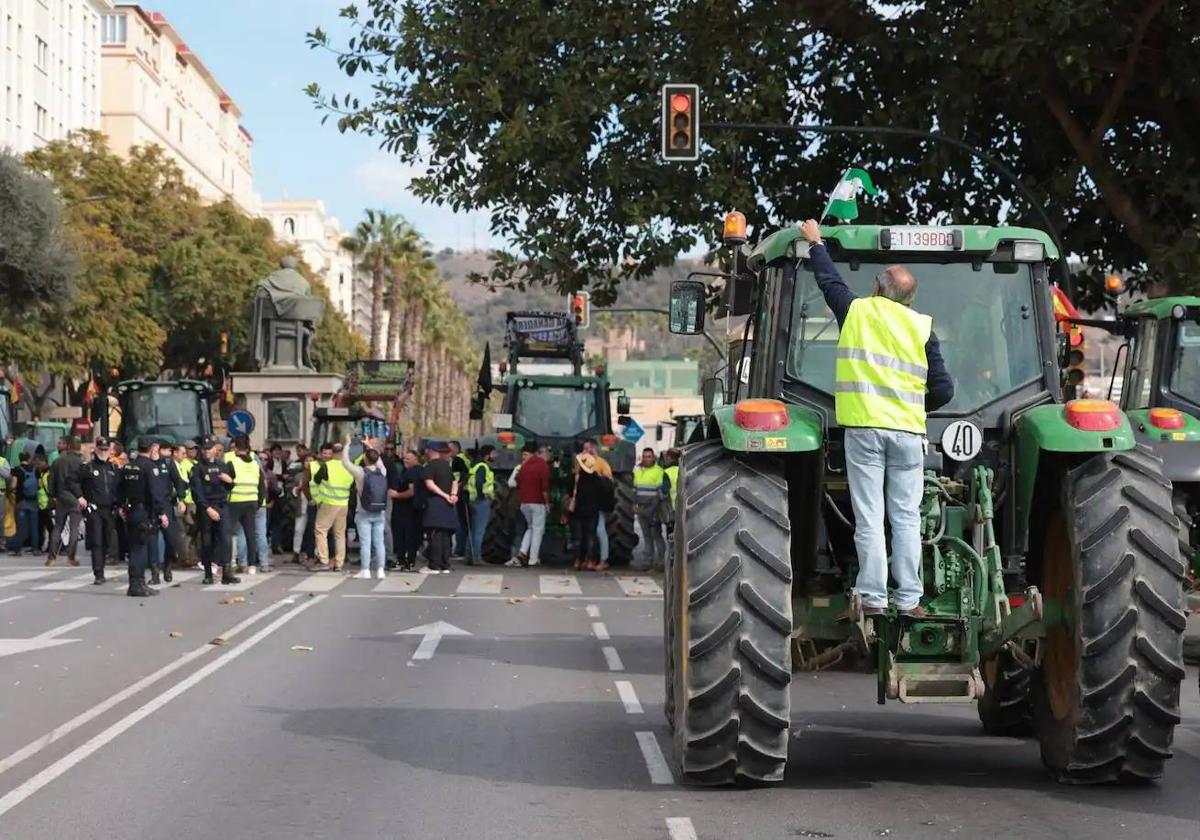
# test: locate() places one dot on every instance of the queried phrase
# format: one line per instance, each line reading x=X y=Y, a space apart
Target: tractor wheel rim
x=1060 y=656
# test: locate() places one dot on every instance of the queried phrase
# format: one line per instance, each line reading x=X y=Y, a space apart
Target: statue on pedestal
x=285 y=318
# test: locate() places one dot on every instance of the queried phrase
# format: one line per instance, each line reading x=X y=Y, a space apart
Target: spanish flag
x=93 y=391
x=1063 y=308
x=14 y=393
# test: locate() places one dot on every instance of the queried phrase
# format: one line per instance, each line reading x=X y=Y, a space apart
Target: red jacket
x=533 y=482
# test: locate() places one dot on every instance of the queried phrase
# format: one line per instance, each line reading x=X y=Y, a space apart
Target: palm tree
x=408 y=256
x=374 y=245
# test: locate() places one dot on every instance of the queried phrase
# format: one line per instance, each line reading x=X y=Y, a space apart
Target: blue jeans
x=260 y=539
x=602 y=536
x=481 y=512
x=885 y=470
x=371 y=527
x=27 y=526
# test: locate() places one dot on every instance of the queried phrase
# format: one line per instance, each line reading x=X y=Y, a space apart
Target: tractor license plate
x=922 y=239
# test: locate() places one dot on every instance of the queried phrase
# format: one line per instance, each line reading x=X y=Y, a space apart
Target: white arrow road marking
x=49 y=639
x=432 y=634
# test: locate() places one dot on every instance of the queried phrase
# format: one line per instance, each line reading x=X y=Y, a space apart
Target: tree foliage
x=545 y=114
x=37 y=263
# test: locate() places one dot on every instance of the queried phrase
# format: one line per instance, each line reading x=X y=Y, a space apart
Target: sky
x=257 y=52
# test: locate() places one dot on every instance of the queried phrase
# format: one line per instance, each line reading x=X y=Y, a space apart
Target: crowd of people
x=164 y=506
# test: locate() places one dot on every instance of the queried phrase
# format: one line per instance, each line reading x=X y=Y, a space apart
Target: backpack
x=29 y=485
x=374 y=491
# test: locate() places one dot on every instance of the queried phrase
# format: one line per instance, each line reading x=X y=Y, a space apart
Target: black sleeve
x=939 y=386
x=837 y=294
x=322 y=473
x=177 y=480
x=199 y=496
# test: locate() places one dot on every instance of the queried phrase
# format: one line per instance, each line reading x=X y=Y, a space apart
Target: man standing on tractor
x=889 y=374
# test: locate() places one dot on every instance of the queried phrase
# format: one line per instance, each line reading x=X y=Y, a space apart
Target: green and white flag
x=842 y=204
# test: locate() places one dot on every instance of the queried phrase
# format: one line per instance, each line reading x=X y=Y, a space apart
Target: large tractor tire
x=727 y=635
x=497 y=539
x=1106 y=697
x=1006 y=708
x=622 y=538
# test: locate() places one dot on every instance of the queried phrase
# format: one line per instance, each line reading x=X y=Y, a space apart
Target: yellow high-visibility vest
x=245 y=483
x=316 y=491
x=672 y=478
x=338 y=485
x=185 y=472
x=882 y=367
x=648 y=478
x=489 y=482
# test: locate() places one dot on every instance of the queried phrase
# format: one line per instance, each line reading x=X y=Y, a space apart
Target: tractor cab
x=1027 y=501
x=368 y=405
x=177 y=410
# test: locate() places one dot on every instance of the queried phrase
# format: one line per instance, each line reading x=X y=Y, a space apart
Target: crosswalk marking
x=639 y=586
x=182 y=577
x=320 y=583
x=248 y=582
x=75 y=582
x=402 y=582
x=480 y=585
x=22 y=577
x=559 y=585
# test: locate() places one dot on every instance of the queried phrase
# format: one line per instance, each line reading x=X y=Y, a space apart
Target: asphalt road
x=541 y=720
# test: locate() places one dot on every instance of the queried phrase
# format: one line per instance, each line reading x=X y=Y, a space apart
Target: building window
x=43 y=54
x=289 y=226
x=113 y=29
x=41 y=123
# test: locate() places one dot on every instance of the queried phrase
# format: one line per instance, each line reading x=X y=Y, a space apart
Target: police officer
x=247 y=495
x=210 y=483
x=169 y=489
x=143 y=514
x=100 y=483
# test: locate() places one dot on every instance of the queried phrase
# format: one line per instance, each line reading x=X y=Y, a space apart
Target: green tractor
x=39 y=437
x=176 y=410
x=355 y=413
x=1051 y=567
x=557 y=411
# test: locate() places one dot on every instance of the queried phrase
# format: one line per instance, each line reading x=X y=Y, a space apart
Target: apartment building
x=155 y=89
x=50 y=78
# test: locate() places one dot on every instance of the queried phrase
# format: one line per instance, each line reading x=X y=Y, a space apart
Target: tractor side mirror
x=687 y=307
x=623 y=406
x=713 y=391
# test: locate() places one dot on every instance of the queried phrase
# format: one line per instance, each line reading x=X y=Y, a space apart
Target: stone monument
x=285 y=317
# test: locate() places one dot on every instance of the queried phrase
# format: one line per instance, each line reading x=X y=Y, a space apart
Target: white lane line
x=22 y=577
x=58 y=732
x=35 y=783
x=320 y=583
x=249 y=582
x=180 y=577
x=487 y=597
x=10 y=599
x=629 y=697
x=656 y=763
x=601 y=631
x=680 y=828
x=593 y=611
x=559 y=585
x=613 y=659
x=76 y=582
x=633 y=586
x=394 y=584
x=480 y=585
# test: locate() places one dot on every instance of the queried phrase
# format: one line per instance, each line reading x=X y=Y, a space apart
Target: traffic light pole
x=894 y=131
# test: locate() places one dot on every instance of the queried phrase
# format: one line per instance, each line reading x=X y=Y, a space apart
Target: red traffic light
x=680 y=122
x=679 y=102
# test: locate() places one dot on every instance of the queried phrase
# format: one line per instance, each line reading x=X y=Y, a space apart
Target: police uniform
x=211 y=494
x=142 y=512
x=168 y=488
x=100 y=483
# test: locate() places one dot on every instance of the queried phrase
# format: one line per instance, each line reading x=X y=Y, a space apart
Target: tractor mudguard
x=621 y=456
x=803 y=432
x=1044 y=428
x=1179 y=449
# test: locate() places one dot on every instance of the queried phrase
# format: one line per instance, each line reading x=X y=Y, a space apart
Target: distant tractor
x=372 y=387
x=176 y=410
x=1051 y=565
x=557 y=411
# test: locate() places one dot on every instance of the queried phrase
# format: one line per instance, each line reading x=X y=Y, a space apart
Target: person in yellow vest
x=890 y=372
x=45 y=513
x=185 y=462
x=481 y=490
x=671 y=471
x=245 y=496
x=332 y=484
x=649 y=481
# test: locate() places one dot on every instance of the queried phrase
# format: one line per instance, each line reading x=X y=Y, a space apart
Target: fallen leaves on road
x=515 y=600
x=303 y=648
x=175 y=634
x=218 y=641
x=233 y=599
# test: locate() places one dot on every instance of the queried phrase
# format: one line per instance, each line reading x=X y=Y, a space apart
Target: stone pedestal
x=282 y=403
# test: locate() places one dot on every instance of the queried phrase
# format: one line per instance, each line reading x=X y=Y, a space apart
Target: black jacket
x=939 y=386
x=100 y=483
x=65 y=476
x=207 y=488
x=138 y=492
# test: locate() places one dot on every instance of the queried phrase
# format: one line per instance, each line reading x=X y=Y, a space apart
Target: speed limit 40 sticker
x=962 y=440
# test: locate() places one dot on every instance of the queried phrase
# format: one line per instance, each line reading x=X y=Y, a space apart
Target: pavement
x=488 y=703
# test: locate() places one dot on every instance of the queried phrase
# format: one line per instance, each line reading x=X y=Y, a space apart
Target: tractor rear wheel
x=622 y=538
x=1106 y=697
x=727 y=635
x=1005 y=707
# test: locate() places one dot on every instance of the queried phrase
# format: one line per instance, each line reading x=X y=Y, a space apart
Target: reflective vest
x=185 y=472
x=316 y=491
x=489 y=482
x=672 y=478
x=337 y=487
x=647 y=479
x=466 y=462
x=881 y=366
x=245 y=483
x=43 y=496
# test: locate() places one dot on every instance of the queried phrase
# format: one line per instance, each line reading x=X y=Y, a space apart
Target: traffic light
x=580 y=304
x=681 y=122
